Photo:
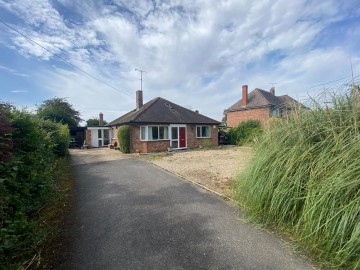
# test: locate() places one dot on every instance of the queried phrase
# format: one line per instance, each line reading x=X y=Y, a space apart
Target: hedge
x=124 y=139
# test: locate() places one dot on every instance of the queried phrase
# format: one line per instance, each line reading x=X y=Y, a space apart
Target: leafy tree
x=59 y=110
x=94 y=122
x=224 y=119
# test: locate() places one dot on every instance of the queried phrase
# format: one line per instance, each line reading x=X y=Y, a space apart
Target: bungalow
x=259 y=105
x=161 y=124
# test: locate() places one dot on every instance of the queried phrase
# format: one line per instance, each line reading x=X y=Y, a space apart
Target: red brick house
x=259 y=105
x=161 y=124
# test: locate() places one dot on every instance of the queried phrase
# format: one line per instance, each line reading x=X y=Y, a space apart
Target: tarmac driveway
x=129 y=214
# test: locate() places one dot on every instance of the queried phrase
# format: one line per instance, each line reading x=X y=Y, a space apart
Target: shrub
x=206 y=143
x=58 y=134
x=26 y=179
x=245 y=132
x=304 y=179
x=124 y=139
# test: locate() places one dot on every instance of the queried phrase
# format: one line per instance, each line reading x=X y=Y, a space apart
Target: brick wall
x=234 y=118
x=193 y=142
x=138 y=146
x=115 y=137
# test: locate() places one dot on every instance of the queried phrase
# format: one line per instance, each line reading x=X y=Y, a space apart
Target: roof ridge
x=269 y=101
x=261 y=93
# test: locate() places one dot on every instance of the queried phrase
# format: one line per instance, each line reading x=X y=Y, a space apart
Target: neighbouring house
x=259 y=105
x=159 y=125
x=98 y=136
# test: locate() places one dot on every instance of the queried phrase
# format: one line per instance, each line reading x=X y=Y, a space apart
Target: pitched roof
x=162 y=111
x=259 y=98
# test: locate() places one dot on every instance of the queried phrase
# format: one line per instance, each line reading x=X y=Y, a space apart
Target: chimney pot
x=244 y=100
x=139 y=99
x=272 y=90
x=197 y=111
x=101 y=119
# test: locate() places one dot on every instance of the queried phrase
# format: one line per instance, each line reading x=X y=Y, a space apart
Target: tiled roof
x=162 y=111
x=259 y=98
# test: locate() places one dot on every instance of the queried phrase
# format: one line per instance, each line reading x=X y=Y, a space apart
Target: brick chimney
x=272 y=90
x=139 y=99
x=101 y=119
x=244 y=100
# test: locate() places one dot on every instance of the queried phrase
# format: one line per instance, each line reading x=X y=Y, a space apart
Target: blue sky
x=197 y=54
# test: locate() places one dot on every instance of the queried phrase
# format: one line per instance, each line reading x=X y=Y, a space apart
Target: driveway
x=129 y=214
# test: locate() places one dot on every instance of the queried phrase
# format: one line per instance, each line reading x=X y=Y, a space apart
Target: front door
x=182 y=137
x=178 y=137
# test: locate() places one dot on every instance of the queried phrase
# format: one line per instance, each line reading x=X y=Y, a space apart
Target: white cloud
x=19 y=91
x=13 y=71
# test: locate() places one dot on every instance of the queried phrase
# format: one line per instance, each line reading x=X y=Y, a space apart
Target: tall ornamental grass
x=305 y=179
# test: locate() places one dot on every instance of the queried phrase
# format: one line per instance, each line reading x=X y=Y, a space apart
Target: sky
x=195 y=53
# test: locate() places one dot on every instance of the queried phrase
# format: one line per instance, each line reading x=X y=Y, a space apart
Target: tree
x=59 y=110
x=224 y=119
x=94 y=122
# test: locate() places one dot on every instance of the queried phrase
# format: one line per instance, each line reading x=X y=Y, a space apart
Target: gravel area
x=213 y=168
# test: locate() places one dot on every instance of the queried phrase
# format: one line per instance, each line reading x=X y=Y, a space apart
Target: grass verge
x=50 y=220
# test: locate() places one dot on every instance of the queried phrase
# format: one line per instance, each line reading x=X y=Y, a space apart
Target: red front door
x=182 y=137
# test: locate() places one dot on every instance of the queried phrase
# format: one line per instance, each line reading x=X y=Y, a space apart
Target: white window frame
x=147 y=133
x=201 y=137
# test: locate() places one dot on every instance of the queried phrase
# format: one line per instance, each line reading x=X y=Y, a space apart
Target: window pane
x=205 y=131
x=174 y=144
x=166 y=133
x=154 y=133
x=149 y=133
x=198 y=131
x=163 y=133
x=99 y=133
x=142 y=133
x=174 y=133
x=106 y=133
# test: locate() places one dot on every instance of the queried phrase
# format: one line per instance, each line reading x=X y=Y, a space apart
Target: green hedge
x=28 y=150
x=124 y=139
x=245 y=132
x=58 y=134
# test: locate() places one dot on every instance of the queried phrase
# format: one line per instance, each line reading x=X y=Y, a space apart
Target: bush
x=124 y=139
x=206 y=144
x=304 y=179
x=245 y=132
x=26 y=180
x=58 y=134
